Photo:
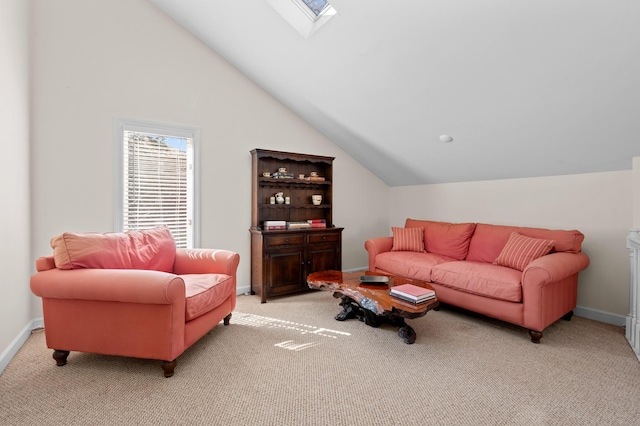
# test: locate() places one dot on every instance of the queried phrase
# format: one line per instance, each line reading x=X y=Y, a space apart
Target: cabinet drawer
x=324 y=238
x=282 y=240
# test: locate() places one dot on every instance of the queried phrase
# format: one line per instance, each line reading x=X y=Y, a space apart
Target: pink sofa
x=498 y=271
x=132 y=294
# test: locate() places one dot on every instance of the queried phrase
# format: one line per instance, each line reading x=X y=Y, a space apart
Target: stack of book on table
x=317 y=223
x=412 y=293
x=271 y=225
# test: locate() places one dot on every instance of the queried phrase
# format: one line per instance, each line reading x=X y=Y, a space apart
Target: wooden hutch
x=282 y=258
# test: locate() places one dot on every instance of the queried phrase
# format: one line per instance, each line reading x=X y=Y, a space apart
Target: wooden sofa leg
x=535 y=336
x=60 y=357
x=227 y=319
x=567 y=316
x=168 y=367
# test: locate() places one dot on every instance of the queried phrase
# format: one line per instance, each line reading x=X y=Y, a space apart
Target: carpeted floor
x=288 y=362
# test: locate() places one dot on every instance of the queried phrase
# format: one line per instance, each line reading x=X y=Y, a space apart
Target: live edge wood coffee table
x=372 y=303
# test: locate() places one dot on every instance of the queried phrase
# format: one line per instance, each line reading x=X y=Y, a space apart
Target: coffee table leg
x=371 y=319
x=349 y=309
x=406 y=332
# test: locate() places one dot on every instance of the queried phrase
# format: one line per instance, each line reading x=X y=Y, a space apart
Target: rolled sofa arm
x=550 y=288
x=554 y=267
x=375 y=246
x=206 y=261
x=119 y=285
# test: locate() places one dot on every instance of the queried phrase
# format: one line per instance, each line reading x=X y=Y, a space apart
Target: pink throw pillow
x=407 y=239
x=521 y=250
x=152 y=249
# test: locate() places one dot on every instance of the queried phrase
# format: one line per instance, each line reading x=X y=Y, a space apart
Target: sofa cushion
x=410 y=264
x=521 y=250
x=205 y=292
x=152 y=249
x=444 y=238
x=489 y=240
x=407 y=239
x=480 y=278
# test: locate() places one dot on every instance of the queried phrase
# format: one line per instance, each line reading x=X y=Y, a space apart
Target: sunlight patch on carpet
x=293 y=346
x=260 y=321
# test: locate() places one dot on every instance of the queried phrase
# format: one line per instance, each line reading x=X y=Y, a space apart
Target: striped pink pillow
x=408 y=239
x=521 y=250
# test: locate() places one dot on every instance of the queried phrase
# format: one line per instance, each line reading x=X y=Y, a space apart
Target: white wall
x=125 y=58
x=15 y=258
x=597 y=204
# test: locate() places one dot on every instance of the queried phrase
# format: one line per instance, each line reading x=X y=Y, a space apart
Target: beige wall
x=15 y=259
x=127 y=59
x=597 y=204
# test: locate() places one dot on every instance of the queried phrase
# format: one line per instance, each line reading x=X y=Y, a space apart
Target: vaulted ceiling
x=526 y=88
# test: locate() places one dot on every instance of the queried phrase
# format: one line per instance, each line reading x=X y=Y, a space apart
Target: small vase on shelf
x=280 y=197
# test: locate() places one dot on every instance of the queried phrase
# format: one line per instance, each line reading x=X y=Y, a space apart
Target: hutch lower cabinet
x=281 y=261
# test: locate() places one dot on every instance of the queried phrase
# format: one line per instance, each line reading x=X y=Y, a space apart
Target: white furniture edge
x=632 y=332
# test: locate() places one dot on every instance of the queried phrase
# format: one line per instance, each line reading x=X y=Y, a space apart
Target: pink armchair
x=132 y=294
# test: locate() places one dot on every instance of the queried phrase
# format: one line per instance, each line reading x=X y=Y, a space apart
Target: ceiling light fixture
x=446 y=138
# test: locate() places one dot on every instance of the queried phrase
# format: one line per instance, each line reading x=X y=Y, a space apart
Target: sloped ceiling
x=525 y=88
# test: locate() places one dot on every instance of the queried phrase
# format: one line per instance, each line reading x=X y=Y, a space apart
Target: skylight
x=306 y=16
x=316 y=6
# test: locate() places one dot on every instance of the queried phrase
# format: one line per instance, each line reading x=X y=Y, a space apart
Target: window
x=156 y=179
x=316 y=6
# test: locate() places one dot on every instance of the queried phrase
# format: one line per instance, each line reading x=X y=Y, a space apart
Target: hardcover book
x=267 y=223
x=412 y=292
x=298 y=225
x=410 y=300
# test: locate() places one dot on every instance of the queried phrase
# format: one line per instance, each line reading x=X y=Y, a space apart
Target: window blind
x=158 y=184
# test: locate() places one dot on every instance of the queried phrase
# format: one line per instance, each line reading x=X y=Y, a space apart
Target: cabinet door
x=284 y=270
x=323 y=257
x=323 y=252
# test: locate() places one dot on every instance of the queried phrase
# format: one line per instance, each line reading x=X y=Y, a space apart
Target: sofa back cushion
x=489 y=240
x=444 y=238
x=152 y=249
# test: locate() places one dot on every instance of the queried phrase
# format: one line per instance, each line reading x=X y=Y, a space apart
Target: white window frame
x=181 y=131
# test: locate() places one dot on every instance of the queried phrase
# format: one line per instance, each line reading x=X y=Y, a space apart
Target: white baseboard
x=243 y=290
x=13 y=348
x=601 y=316
x=355 y=269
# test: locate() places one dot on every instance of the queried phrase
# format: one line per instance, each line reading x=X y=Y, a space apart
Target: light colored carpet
x=288 y=362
